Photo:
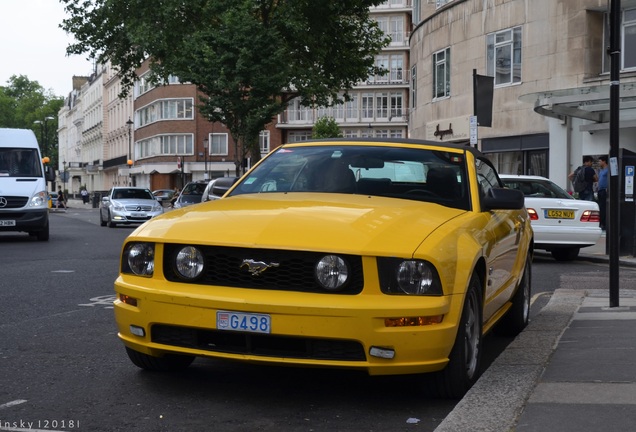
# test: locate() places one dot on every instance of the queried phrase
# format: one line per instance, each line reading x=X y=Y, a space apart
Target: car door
x=502 y=234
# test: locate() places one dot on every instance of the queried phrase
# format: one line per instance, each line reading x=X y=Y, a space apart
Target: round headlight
x=415 y=277
x=332 y=272
x=189 y=262
x=141 y=259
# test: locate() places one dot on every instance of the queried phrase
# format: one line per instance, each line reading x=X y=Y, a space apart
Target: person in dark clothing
x=590 y=178
x=61 y=200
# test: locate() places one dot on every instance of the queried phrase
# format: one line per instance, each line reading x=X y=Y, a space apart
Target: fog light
x=385 y=353
x=137 y=331
x=413 y=321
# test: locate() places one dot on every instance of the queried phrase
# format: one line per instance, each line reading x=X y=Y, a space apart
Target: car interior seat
x=442 y=182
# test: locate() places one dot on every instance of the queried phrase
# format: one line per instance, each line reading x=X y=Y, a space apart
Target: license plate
x=7 y=223
x=139 y=215
x=244 y=322
x=559 y=214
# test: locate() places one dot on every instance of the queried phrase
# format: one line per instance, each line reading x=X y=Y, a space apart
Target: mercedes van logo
x=3 y=202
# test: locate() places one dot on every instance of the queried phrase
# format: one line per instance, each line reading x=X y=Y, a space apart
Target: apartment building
x=378 y=105
x=549 y=62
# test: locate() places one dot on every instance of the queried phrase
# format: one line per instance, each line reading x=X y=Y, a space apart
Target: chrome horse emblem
x=257 y=267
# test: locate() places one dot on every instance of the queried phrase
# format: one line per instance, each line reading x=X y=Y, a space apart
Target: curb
x=497 y=399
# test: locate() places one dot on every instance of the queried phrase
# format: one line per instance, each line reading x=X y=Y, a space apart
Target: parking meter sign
x=629 y=183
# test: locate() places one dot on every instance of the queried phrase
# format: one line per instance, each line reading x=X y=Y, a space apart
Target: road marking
x=12 y=403
x=62 y=271
x=536 y=296
x=106 y=301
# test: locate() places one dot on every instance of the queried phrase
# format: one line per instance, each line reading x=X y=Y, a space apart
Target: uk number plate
x=138 y=214
x=244 y=322
x=559 y=214
x=7 y=222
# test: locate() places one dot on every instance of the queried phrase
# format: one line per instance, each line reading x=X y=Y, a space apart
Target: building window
x=263 y=141
x=396 y=105
x=628 y=41
x=397 y=67
x=440 y=3
x=382 y=105
x=218 y=144
x=165 y=145
x=167 y=109
x=441 y=74
x=417 y=11
x=503 y=56
x=367 y=106
x=299 y=136
x=414 y=87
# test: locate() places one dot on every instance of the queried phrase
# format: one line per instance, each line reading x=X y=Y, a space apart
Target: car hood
x=325 y=222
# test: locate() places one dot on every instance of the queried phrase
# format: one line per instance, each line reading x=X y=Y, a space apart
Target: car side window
x=486 y=176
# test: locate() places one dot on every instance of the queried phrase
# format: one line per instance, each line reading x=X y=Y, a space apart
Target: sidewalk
x=572 y=369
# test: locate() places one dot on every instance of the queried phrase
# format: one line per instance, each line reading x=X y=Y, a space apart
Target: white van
x=23 y=177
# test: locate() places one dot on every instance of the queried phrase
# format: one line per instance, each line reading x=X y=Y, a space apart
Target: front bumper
x=306 y=329
x=24 y=220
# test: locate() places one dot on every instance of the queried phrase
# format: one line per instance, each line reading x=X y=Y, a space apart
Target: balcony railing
x=343 y=116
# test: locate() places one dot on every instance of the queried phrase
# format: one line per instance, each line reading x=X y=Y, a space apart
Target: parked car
x=126 y=205
x=192 y=193
x=561 y=224
x=164 y=196
x=391 y=257
x=217 y=187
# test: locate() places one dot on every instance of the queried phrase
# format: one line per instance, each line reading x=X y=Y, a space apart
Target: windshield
x=130 y=193
x=407 y=173
x=19 y=162
x=534 y=188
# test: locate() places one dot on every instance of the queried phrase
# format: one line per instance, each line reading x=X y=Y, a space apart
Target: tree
x=23 y=102
x=248 y=58
x=326 y=127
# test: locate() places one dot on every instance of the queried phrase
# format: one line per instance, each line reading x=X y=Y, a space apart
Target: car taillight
x=533 y=214
x=590 y=216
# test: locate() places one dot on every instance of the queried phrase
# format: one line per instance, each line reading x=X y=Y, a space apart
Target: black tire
x=110 y=223
x=517 y=317
x=166 y=363
x=464 y=366
x=43 y=235
x=565 y=254
x=102 y=222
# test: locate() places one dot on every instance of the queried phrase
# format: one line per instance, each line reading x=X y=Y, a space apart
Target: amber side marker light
x=128 y=300
x=413 y=321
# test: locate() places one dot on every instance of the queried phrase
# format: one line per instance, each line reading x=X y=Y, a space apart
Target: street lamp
x=130 y=123
x=206 y=176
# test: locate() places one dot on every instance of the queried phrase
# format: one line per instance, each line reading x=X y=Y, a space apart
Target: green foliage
x=326 y=127
x=248 y=58
x=23 y=102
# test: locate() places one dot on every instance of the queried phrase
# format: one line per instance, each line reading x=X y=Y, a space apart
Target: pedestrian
x=84 y=194
x=61 y=200
x=589 y=176
x=602 y=190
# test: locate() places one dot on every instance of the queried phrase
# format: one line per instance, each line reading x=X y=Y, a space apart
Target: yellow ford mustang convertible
x=390 y=256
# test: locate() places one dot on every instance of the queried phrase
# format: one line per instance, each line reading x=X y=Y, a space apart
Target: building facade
x=378 y=106
x=549 y=63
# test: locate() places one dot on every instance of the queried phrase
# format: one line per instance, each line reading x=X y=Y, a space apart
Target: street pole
x=614 y=168
x=205 y=158
x=129 y=162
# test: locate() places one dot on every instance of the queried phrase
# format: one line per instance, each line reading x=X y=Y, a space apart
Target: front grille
x=15 y=202
x=257 y=344
x=295 y=270
x=137 y=207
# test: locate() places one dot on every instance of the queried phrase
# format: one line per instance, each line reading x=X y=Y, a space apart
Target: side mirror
x=503 y=199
